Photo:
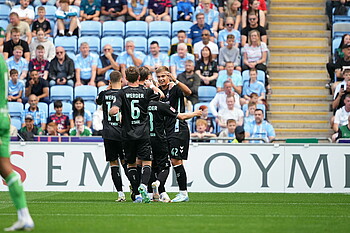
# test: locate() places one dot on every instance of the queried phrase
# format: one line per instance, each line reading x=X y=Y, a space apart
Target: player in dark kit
x=178 y=134
x=111 y=132
x=133 y=102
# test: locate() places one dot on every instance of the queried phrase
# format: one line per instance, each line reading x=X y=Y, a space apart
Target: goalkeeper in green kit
x=12 y=179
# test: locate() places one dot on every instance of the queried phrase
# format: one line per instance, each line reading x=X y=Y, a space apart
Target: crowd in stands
x=223 y=50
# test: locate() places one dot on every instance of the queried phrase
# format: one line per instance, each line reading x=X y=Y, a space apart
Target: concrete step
x=301 y=41
x=294 y=65
x=298 y=115
x=297 y=98
x=297 y=26
x=314 y=3
x=298 y=33
x=300 y=10
x=297 y=18
x=307 y=106
x=298 y=73
x=300 y=90
x=288 y=81
x=299 y=49
x=298 y=57
x=292 y=124
x=302 y=133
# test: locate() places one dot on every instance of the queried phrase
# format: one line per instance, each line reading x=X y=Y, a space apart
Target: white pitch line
x=185 y=215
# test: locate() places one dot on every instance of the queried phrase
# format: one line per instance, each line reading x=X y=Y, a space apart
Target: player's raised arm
x=189 y=115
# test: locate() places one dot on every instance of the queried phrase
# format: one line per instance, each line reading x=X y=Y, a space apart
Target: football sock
x=117 y=180
x=181 y=177
x=162 y=176
x=151 y=180
x=125 y=167
x=133 y=178
x=146 y=174
x=61 y=32
x=139 y=170
x=16 y=190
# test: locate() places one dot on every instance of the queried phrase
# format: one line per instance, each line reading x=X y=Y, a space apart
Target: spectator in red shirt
x=39 y=63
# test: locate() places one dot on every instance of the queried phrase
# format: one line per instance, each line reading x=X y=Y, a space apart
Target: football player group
x=145 y=131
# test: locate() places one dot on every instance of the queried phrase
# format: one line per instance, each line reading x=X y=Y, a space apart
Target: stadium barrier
x=289 y=168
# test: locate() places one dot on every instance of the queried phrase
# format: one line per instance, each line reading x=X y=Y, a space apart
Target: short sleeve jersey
x=176 y=60
x=161 y=60
x=44 y=25
x=133 y=104
x=14 y=89
x=116 y=4
x=111 y=124
x=126 y=59
x=138 y=9
x=90 y=9
x=85 y=65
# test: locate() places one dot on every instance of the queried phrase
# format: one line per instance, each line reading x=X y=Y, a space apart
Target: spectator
x=192 y=81
x=236 y=78
x=38 y=115
x=39 y=63
x=18 y=63
x=80 y=129
x=90 y=10
x=181 y=37
x=254 y=8
x=130 y=57
x=25 y=13
x=206 y=68
x=106 y=64
x=219 y=100
x=253 y=86
x=229 y=132
x=44 y=2
x=229 y=30
x=156 y=59
x=158 y=10
x=338 y=54
x=342 y=114
x=37 y=86
x=211 y=16
x=253 y=25
x=41 y=40
x=15 y=86
x=61 y=69
x=60 y=119
x=85 y=66
x=230 y=53
x=339 y=98
x=344 y=130
x=178 y=60
x=97 y=125
x=205 y=42
x=66 y=19
x=205 y=116
x=137 y=10
x=9 y=45
x=232 y=9
x=262 y=5
x=184 y=10
x=255 y=53
x=41 y=22
x=230 y=112
x=259 y=128
x=29 y=129
x=79 y=109
x=201 y=133
x=338 y=85
x=339 y=65
x=113 y=10
x=23 y=28
x=195 y=33
x=51 y=129
x=249 y=115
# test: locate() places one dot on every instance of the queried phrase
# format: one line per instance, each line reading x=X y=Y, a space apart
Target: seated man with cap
x=28 y=131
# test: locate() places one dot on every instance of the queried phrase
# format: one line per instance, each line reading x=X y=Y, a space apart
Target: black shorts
x=113 y=150
x=138 y=148
x=160 y=153
x=178 y=146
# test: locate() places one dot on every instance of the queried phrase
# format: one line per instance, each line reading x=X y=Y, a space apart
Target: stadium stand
x=91 y=28
x=61 y=92
x=113 y=28
x=88 y=93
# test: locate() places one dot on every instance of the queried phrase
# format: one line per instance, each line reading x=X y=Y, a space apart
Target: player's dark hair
x=154 y=42
x=57 y=104
x=132 y=74
x=181 y=31
x=77 y=112
x=259 y=109
x=13 y=71
x=115 y=76
x=144 y=73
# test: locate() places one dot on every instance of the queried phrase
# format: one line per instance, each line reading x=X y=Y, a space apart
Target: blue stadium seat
x=206 y=93
x=113 y=28
x=180 y=25
x=140 y=43
x=71 y=55
x=117 y=43
x=163 y=41
x=15 y=109
x=93 y=41
x=42 y=107
x=88 y=93
x=18 y=6
x=16 y=122
x=50 y=12
x=261 y=76
x=340 y=28
x=159 y=28
x=61 y=92
x=91 y=28
x=3 y=24
x=66 y=108
x=91 y=106
x=258 y=106
x=4 y=12
x=102 y=88
x=69 y=43
x=136 y=28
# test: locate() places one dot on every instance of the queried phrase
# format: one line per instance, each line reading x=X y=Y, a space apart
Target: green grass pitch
x=206 y=212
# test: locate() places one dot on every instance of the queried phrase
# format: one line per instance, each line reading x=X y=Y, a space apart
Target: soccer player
x=111 y=132
x=133 y=102
x=25 y=221
x=177 y=131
